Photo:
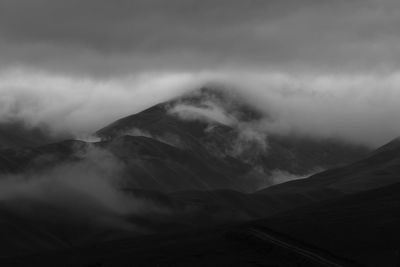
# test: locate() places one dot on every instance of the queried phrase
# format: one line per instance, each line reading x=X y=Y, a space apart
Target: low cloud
x=82 y=105
x=224 y=107
x=89 y=190
x=209 y=112
x=280 y=176
x=251 y=141
x=168 y=138
x=359 y=108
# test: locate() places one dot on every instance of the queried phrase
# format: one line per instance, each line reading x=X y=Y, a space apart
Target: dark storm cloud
x=136 y=35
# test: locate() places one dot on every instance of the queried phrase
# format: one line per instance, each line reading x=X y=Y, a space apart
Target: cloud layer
x=107 y=37
x=359 y=108
x=79 y=105
x=324 y=68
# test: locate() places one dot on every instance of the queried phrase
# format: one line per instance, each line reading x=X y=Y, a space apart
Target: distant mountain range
x=197 y=162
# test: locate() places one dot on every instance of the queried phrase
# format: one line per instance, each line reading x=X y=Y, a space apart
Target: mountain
x=198 y=162
x=205 y=140
x=223 y=124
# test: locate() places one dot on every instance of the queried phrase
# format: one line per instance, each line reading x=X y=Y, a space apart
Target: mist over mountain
x=225 y=125
x=201 y=159
x=130 y=184
x=357 y=108
x=204 y=136
x=199 y=133
x=206 y=140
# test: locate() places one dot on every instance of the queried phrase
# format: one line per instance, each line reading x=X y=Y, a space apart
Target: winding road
x=313 y=256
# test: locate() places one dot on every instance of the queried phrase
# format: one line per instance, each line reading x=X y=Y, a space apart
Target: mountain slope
x=363 y=226
x=380 y=168
x=360 y=222
x=217 y=122
x=163 y=149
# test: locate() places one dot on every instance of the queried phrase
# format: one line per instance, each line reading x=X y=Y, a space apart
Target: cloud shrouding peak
x=319 y=67
x=358 y=108
x=79 y=105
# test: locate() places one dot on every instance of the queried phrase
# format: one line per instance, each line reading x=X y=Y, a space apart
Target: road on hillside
x=306 y=253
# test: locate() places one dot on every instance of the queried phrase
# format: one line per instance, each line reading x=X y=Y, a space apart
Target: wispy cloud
x=86 y=191
x=356 y=107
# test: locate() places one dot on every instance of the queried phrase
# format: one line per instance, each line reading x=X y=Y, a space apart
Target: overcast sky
x=97 y=36
x=65 y=60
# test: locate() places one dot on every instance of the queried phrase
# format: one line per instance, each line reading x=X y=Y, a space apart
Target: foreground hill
x=363 y=227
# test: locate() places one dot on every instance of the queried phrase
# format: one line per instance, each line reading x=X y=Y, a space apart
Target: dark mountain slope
x=146 y=163
x=33 y=225
x=151 y=164
x=192 y=130
x=379 y=169
x=363 y=226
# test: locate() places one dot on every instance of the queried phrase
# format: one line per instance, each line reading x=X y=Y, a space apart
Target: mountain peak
x=200 y=109
x=230 y=102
